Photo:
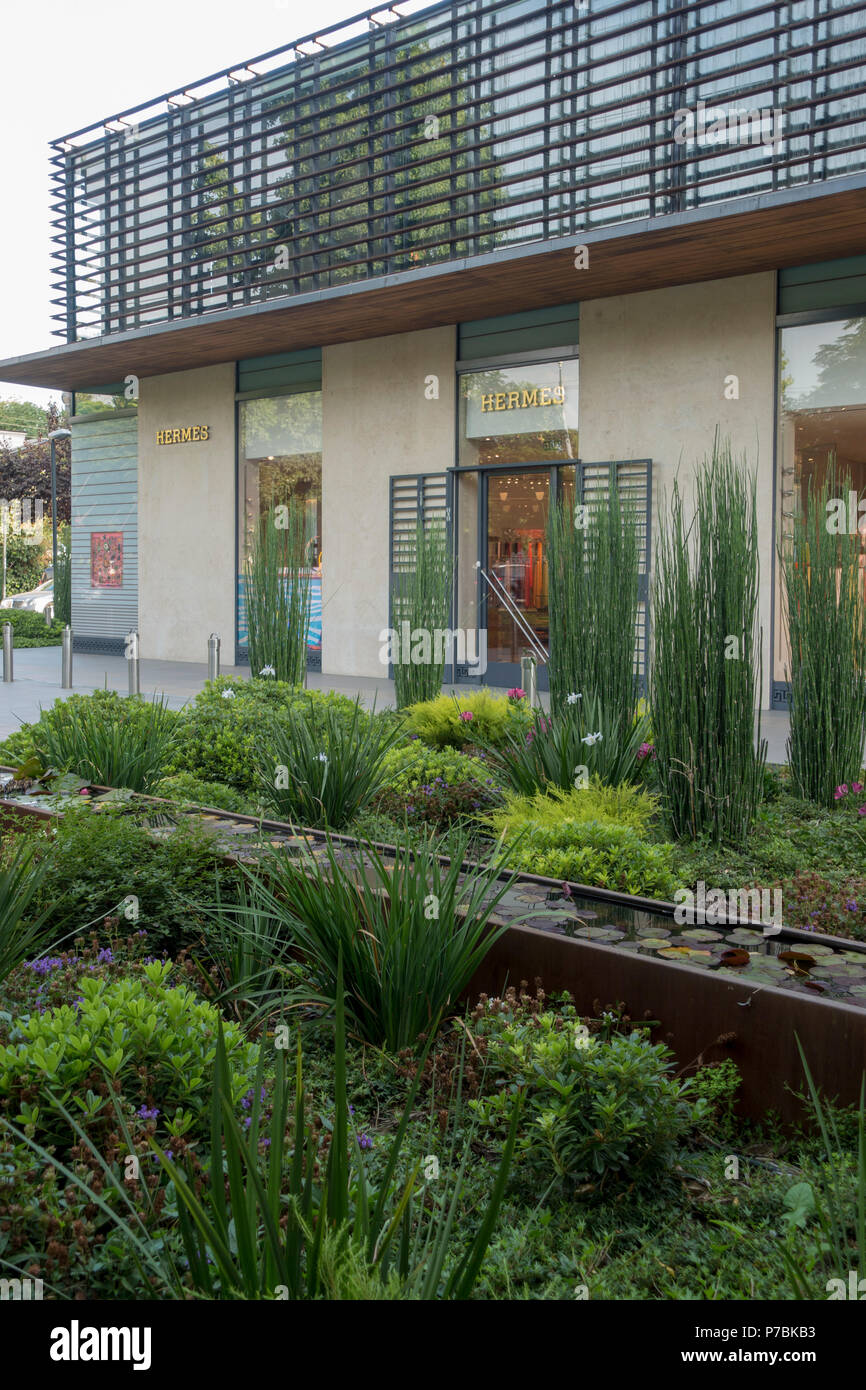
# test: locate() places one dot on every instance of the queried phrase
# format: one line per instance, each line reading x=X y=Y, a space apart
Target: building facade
x=457 y=263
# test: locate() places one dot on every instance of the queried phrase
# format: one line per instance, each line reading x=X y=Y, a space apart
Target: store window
x=822 y=418
x=281 y=459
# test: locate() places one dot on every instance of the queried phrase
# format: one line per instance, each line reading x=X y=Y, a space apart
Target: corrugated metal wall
x=104 y=498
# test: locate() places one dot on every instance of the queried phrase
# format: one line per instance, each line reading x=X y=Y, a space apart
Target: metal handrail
x=498 y=588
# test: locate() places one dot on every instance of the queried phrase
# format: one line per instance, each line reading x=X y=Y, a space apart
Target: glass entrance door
x=514 y=553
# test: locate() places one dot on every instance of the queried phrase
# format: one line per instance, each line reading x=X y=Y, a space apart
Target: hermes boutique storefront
x=483 y=425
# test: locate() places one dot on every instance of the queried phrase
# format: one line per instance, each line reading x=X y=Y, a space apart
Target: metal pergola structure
x=396 y=141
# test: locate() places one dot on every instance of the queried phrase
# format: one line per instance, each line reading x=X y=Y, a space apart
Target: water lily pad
x=742 y=936
x=701 y=934
x=596 y=934
x=655 y=932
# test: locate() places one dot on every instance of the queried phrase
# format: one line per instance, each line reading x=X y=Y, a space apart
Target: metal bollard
x=48 y=614
x=213 y=656
x=529 y=678
x=66 y=658
x=132 y=663
x=8 y=647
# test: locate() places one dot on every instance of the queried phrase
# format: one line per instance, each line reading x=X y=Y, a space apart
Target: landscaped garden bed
x=520 y=1062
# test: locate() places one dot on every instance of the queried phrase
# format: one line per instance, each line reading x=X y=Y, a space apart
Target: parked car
x=34 y=600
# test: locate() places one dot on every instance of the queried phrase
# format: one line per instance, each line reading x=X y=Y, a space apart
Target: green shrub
x=95 y=861
x=155 y=1042
x=189 y=790
x=598 y=1108
x=623 y=805
x=438 y=721
x=598 y=854
x=29 y=629
x=323 y=780
x=221 y=734
x=104 y=737
x=416 y=764
x=291 y=1212
x=25 y=563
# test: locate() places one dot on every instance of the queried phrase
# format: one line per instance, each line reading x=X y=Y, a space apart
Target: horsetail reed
x=593 y=602
x=706 y=671
x=824 y=572
x=277 y=587
x=421 y=599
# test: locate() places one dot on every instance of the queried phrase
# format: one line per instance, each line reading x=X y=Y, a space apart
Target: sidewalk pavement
x=37 y=684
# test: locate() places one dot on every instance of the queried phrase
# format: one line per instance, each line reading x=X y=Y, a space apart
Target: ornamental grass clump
x=706 y=670
x=277 y=594
x=421 y=605
x=577 y=741
x=594 y=575
x=324 y=781
x=411 y=931
x=108 y=740
x=825 y=610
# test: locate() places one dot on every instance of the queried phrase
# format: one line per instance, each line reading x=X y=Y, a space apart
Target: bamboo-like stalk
x=593 y=603
x=823 y=569
x=706 y=668
x=277 y=591
x=422 y=598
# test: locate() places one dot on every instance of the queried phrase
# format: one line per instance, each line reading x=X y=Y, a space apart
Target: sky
x=68 y=63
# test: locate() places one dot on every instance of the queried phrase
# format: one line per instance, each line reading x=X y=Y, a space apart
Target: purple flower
x=851 y=905
x=147 y=1114
x=364 y=1141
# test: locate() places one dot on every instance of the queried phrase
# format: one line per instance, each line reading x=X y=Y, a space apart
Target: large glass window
x=280 y=459
x=519 y=414
x=822 y=417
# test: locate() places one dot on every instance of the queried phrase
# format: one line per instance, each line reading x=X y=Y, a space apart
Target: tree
x=23 y=415
x=26 y=472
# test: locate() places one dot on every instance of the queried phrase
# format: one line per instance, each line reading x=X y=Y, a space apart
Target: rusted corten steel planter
x=700 y=1013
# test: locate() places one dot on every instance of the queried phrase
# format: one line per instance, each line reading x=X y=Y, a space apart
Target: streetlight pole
x=54 y=436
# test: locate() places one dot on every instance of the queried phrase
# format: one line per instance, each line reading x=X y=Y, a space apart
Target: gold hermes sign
x=524 y=399
x=188 y=435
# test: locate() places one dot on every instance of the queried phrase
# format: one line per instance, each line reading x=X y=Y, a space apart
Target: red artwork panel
x=106 y=559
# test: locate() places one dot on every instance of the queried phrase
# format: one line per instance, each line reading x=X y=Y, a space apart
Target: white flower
x=582 y=1036
x=573 y=698
x=228 y=694
x=591 y=738
x=267 y=671
x=323 y=757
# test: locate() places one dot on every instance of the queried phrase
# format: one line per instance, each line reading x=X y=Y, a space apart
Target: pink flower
x=466 y=715
x=646 y=750
x=515 y=693
x=856 y=786
x=840 y=792
x=861 y=810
